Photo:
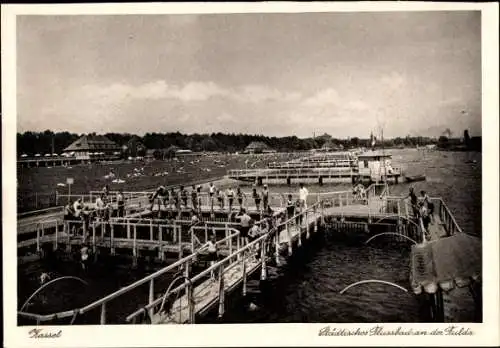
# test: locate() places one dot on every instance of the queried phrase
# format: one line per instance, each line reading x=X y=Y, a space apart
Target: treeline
x=466 y=143
x=50 y=142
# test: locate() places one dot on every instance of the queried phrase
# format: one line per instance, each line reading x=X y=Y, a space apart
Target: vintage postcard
x=250 y=174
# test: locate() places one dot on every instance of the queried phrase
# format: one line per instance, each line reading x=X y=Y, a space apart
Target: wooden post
x=160 y=242
x=315 y=219
x=300 y=234
x=150 y=230
x=151 y=297
x=57 y=235
x=439 y=306
x=322 y=213
x=175 y=233
x=244 y=287
x=226 y=232
x=221 y=291
x=263 y=273
x=230 y=240
x=134 y=247
x=191 y=230
x=238 y=256
x=179 y=228
x=290 y=251
x=93 y=238
x=68 y=246
x=112 y=239
x=38 y=238
x=191 y=303
x=103 y=314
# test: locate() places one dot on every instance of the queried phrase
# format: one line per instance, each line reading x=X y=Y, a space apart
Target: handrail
x=393 y=233
x=373 y=281
x=39 y=211
x=47 y=284
x=242 y=250
x=127 y=288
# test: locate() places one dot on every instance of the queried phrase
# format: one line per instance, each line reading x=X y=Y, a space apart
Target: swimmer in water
x=84 y=256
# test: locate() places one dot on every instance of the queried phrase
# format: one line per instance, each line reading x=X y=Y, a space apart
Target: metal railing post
x=263 y=273
x=93 y=238
x=151 y=297
x=160 y=243
x=244 y=286
x=289 y=236
x=38 y=238
x=56 y=240
x=103 y=314
x=134 y=244
x=150 y=230
x=180 y=241
x=191 y=302
x=112 y=242
x=221 y=291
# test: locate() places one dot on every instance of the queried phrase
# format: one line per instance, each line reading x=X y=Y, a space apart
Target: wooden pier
x=193 y=295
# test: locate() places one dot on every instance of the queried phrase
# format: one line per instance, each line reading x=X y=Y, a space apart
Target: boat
x=413 y=178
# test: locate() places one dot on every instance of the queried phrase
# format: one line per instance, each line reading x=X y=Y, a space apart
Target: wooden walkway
x=207 y=294
x=199 y=294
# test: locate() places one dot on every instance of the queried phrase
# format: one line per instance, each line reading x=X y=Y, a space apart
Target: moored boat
x=413 y=178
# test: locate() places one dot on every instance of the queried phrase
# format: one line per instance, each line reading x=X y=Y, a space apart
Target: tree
x=443 y=141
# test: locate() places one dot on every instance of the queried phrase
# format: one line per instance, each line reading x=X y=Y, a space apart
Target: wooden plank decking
x=206 y=294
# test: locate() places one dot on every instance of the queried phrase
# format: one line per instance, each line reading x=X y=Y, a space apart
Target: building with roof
x=92 y=146
x=258 y=147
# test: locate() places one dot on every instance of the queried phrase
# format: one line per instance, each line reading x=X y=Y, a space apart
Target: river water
x=307 y=289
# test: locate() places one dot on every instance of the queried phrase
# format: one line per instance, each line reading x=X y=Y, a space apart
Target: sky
x=346 y=74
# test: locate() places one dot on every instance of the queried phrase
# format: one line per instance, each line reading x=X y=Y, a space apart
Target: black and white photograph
x=250 y=167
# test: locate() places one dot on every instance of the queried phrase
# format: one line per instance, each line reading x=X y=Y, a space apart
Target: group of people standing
x=422 y=207
x=102 y=208
x=230 y=198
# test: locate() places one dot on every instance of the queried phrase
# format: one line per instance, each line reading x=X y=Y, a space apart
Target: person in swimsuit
x=198 y=190
x=220 y=198
x=290 y=207
x=120 y=200
x=253 y=233
x=212 y=254
x=211 y=193
x=194 y=198
x=244 y=226
x=99 y=205
x=84 y=257
x=240 y=196
x=265 y=197
x=303 y=193
x=230 y=198
x=298 y=209
x=425 y=200
x=159 y=195
x=424 y=213
x=177 y=200
x=184 y=196
x=256 y=198
x=414 y=203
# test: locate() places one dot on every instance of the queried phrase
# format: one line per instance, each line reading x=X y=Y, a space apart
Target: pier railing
x=447 y=219
x=313 y=164
x=183 y=264
x=291 y=173
x=222 y=267
x=242 y=260
x=51 y=210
